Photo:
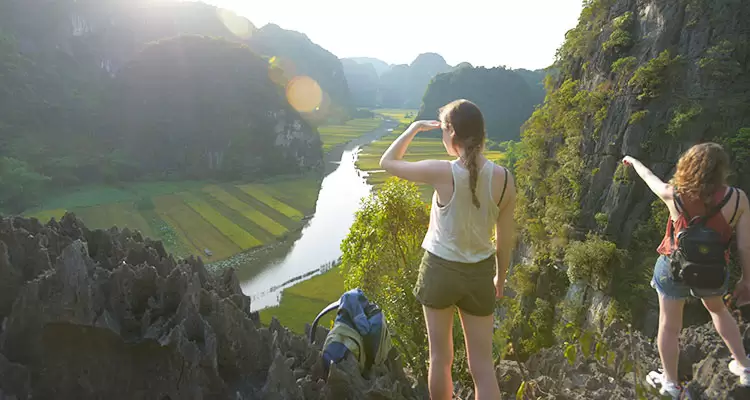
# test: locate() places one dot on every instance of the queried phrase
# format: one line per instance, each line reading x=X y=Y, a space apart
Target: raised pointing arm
x=661 y=189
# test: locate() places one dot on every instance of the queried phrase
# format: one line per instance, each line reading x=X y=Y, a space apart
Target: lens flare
x=304 y=94
x=239 y=26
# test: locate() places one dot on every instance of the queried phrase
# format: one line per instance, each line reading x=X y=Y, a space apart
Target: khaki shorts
x=442 y=283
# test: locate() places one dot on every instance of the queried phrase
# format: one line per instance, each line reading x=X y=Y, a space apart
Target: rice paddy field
x=333 y=135
x=301 y=303
x=403 y=116
x=192 y=217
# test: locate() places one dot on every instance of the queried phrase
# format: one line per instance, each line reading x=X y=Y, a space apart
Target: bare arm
x=661 y=189
x=425 y=171
x=505 y=231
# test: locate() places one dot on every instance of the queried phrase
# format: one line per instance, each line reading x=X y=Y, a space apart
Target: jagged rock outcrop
x=109 y=314
x=550 y=375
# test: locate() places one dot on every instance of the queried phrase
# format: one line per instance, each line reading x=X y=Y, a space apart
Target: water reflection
x=339 y=198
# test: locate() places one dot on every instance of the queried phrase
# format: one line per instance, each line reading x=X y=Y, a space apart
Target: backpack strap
x=505 y=186
x=715 y=210
x=679 y=205
x=736 y=205
x=314 y=326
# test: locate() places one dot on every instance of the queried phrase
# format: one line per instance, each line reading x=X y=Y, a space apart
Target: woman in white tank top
x=462 y=268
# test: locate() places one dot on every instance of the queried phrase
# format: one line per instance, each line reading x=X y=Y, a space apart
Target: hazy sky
x=515 y=33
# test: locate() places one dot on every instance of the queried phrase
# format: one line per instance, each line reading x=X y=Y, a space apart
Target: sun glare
x=304 y=94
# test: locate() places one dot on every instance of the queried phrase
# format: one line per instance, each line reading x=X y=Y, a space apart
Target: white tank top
x=458 y=230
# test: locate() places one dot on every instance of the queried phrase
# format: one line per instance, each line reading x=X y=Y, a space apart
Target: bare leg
x=670 y=324
x=727 y=328
x=478 y=337
x=440 y=336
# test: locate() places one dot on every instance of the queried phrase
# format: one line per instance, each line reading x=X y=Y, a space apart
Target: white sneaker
x=742 y=372
x=659 y=382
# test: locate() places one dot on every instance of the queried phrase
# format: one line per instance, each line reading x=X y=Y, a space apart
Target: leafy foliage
x=683 y=114
x=549 y=176
x=620 y=37
x=720 y=62
x=513 y=152
x=593 y=261
x=654 y=75
x=580 y=41
x=637 y=116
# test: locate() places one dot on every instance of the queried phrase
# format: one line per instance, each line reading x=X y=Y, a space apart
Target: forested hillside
x=506 y=98
x=641 y=78
x=195 y=107
x=297 y=55
x=81 y=81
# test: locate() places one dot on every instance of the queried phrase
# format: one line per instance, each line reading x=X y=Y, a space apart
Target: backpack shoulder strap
x=736 y=206
x=505 y=186
x=679 y=205
x=715 y=210
x=314 y=326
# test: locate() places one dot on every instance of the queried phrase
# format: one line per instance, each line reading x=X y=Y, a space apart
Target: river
x=339 y=198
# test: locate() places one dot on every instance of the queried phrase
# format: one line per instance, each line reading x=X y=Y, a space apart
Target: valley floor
x=214 y=221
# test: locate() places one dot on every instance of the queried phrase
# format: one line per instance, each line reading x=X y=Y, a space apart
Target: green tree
x=381 y=256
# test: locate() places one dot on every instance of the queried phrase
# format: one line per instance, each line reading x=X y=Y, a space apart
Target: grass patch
x=45 y=216
x=90 y=196
x=260 y=193
x=268 y=224
x=301 y=194
x=403 y=116
x=333 y=135
x=193 y=229
x=239 y=236
x=121 y=215
x=301 y=303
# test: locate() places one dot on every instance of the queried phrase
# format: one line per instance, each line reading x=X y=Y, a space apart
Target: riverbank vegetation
x=301 y=303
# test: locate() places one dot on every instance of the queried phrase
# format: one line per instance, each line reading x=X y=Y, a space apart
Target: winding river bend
x=339 y=198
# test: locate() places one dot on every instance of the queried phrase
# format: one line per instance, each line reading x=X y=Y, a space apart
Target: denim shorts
x=666 y=286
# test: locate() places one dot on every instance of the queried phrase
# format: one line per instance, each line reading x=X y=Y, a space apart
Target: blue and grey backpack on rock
x=359 y=329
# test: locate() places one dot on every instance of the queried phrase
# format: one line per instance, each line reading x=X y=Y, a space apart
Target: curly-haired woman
x=698 y=189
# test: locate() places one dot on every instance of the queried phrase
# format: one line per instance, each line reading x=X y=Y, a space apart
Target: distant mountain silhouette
x=379 y=65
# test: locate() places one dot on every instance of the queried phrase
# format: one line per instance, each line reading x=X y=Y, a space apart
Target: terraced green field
x=333 y=135
x=192 y=217
x=301 y=303
x=403 y=116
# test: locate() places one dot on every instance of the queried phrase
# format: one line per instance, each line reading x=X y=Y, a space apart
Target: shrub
x=620 y=37
x=682 y=116
x=592 y=261
x=381 y=255
x=637 y=116
x=652 y=76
